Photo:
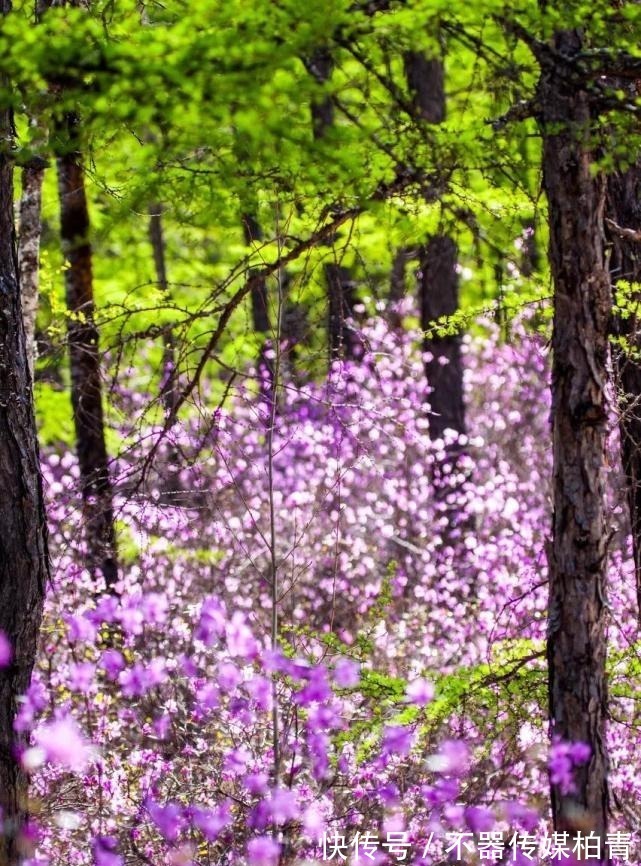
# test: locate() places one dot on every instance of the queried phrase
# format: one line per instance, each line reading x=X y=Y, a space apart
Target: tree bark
x=168 y=383
x=23 y=544
x=624 y=210
x=341 y=296
x=343 y=339
x=426 y=82
x=260 y=308
x=84 y=359
x=576 y=646
x=29 y=252
x=438 y=283
x=444 y=370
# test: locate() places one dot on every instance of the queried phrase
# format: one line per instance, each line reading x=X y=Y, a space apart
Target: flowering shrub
x=324 y=636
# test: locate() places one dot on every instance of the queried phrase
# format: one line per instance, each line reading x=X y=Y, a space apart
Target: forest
x=320 y=432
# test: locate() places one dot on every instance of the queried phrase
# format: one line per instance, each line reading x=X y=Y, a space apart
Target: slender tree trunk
x=341 y=296
x=23 y=546
x=260 y=311
x=576 y=646
x=84 y=359
x=29 y=252
x=444 y=369
x=398 y=282
x=260 y=308
x=624 y=212
x=438 y=285
x=168 y=384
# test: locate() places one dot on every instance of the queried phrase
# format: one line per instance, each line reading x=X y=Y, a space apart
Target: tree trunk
x=29 y=252
x=426 y=82
x=576 y=645
x=84 y=359
x=168 y=384
x=341 y=297
x=624 y=210
x=438 y=285
x=343 y=339
x=439 y=297
x=260 y=312
x=23 y=546
x=260 y=308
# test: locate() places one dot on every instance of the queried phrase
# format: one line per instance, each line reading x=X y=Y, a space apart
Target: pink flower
x=397 y=740
x=60 y=742
x=420 y=692
x=346 y=673
x=263 y=851
x=211 y=822
x=81 y=677
x=105 y=852
x=240 y=640
x=451 y=758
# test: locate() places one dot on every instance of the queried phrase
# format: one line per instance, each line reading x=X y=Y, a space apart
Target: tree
x=84 y=356
x=29 y=250
x=438 y=281
x=168 y=370
x=341 y=295
x=624 y=224
x=576 y=645
x=23 y=544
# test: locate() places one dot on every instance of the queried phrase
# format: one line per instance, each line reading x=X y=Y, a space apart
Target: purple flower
x=211 y=822
x=420 y=692
x=346 y=673
x=260 y=690
x=228 y=676
x=263 y=851
x=112 y=663
x=236 y=760
x=61 y=743
x=169 y=819
x=240 y=640
x=562 y=760
x=213 y=617
x=318 y=745
x=316 y=689
x=256 y=783
x=105 y=852
x=451 y=758
x=139 y=679
x=81 y=677
x=397 y=740
x=479 y=819
x=80 y=628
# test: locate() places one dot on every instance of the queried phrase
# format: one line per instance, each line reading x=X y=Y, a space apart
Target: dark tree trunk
x=23 y=546
x=260 y=308
x=398 y=282
x=439 y=297
x=341 y=296
x=260 y=313
x=320 y=66
x=576 y=645
x=168 y=383
x=529 y=263
x=29 y=251
x=426 y=83
x=438 y=285
x=84 y=359
x=343 y=339
x=624 y=211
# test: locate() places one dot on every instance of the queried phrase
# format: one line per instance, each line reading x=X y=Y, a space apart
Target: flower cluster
x=403 y=689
